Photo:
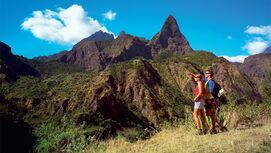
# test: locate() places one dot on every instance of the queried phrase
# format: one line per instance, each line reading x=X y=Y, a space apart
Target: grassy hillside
x=181 y=139
x=250 y=132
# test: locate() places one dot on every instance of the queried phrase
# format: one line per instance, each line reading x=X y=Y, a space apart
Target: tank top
x=197 y=92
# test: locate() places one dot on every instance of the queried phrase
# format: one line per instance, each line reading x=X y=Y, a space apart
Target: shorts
x=210 y=107
x=199 y=104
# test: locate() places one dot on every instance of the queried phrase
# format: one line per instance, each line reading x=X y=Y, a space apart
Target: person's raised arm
x=192 y=74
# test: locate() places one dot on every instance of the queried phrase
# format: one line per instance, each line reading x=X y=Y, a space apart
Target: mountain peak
x=100 y=36
x=122 y=34
x=170 y=25
x=5 y=50
x=267 y=50
x=170 y=39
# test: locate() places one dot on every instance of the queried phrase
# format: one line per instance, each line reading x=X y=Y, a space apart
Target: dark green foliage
x=63 y=136
x=267 y=87
x=115 y=47
x=62 y=85
x=52 y=67
x=116 y=69
x=164 y=54
x=202 y=58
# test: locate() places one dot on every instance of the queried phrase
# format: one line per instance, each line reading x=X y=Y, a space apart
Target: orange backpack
x=207 y=94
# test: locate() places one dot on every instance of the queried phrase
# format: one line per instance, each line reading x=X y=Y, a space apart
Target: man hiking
x=211 y=102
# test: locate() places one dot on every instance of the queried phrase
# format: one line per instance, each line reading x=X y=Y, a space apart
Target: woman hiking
x=199 y=105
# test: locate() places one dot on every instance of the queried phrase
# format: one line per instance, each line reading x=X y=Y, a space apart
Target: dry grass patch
x=181 y=139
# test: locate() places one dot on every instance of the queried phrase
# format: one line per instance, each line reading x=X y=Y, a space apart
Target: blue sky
x=225 y=27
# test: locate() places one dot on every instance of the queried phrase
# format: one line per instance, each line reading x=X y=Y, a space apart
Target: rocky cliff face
x=97 y=36
x=170 y=39
x=12 y=67
x=238 y=87
x=101 y=49
x=140 y=87
x=257 y=66
x=49 y=58
x=94 y=55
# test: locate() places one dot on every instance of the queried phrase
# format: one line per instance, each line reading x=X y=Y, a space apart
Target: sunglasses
x=207 y=73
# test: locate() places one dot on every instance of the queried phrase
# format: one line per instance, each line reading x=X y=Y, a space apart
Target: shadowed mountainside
x=12 y=67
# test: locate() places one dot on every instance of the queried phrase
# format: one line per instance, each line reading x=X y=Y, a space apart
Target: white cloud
x=229 y=37
x=259 y=39
x=256 y=45
x=259 y=30
x=110 y=15
x=239 y=58
x=65 y=26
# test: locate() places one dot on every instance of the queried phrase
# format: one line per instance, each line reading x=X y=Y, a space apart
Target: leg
x=196 y=119
x=212 y=112
x=203 y=118
x=214 y=119
x=204 y=121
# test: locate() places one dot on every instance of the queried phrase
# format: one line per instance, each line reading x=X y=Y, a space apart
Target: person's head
x=209 y=74
x=197 y=77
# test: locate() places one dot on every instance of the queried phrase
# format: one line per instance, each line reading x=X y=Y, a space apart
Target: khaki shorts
x=199 y=104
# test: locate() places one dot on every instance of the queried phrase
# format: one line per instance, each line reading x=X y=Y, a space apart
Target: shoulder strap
x=206 y=83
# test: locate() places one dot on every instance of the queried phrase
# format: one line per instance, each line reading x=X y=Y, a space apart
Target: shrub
x=65 y=136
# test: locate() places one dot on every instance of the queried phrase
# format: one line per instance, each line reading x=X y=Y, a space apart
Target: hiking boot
x=223 y=129
x=200 y=132
x=213 y=131
x=204 y=131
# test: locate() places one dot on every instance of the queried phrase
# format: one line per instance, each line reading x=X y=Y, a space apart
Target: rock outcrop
x=257 y=67
x=94 y=55
x=100 y=36
x=101 y=49
x=238 y=87
x=170 y=39
x=49 y=58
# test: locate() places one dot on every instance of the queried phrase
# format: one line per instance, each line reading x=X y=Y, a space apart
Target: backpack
x=207 y=94
x=217 y=92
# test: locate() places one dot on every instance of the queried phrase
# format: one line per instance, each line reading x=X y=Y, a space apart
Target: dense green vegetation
x=267 y=87
x=202 y=58
x=53 y=68
x=76 y=128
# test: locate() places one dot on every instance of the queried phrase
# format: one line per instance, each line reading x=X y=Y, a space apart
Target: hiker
x=199 y=105
x=210 y=100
